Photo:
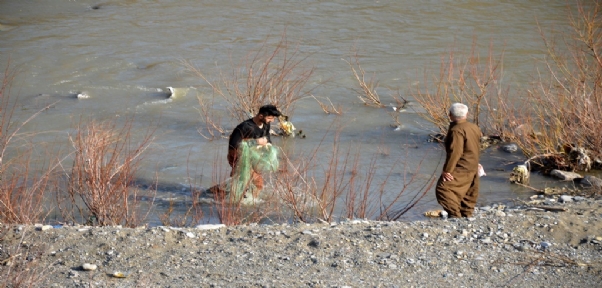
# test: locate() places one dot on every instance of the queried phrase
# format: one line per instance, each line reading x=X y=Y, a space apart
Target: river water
x=124 y=53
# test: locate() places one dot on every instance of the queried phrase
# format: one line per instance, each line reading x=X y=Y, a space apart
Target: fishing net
x=252 y=157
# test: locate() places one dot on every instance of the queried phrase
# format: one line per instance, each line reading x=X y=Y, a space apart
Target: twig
x=530 y=187
x=553 y=209
x=9 y=258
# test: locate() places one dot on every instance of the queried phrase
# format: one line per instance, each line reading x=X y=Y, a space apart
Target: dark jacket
x=248 y=130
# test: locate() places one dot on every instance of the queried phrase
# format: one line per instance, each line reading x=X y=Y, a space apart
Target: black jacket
x=248 y=130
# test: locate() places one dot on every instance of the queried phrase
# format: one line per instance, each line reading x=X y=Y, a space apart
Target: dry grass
x=104 y=166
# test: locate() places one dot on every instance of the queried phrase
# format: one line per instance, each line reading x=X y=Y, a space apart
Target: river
x=124 y=54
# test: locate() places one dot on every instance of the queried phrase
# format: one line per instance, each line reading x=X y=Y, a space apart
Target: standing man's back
x=458 y=187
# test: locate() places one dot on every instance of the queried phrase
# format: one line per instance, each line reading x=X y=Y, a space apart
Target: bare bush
x=566 y=99
x=213 y=128
x=103 y=171
x=271 y=75
x=556 y=122
x=329 y=109
x=22 y=190
x=472 y=81
x=367 y=93
x=346 y=187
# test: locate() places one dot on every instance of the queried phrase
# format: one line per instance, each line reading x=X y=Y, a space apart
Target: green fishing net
x=252 y=157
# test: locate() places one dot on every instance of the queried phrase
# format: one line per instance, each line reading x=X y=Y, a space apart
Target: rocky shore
x=548 y=242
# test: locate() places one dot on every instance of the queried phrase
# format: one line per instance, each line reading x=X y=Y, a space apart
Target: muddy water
x=124 y=54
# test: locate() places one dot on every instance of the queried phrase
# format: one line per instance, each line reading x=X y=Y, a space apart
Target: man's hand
x=262 y=141
x=447 y=176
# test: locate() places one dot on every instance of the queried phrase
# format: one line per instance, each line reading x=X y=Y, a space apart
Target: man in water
x=458 y=187
x=257 y=129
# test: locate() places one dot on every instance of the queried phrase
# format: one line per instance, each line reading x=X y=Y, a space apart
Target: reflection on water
x=124 y=55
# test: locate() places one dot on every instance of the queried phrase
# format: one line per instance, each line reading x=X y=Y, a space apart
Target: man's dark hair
x=269 y=110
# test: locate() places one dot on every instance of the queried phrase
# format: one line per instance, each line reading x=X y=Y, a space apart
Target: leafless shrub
x=275 y=76
x=472 y=81
x=22 y=191
x=367 y=92
x=558 y=116
x=566 y=99
x=345 y=187
x=104 y=167
x=213 y=128
x=329 y=109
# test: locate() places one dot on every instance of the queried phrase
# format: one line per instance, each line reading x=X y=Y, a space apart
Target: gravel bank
x=500 y=246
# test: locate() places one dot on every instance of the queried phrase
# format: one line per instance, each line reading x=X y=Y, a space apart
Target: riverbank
x=558 y=244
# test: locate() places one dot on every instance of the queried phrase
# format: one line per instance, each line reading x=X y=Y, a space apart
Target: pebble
x=89 y=267
x=545 y=245
x=565 y=175
x=520 y=247
x=444 y=214
x=500 y=213
x=209 y=226
x=83 y=95
x=579 y=198
x=510 y=148
x=566 y=199
x=550 y=201
x=45 y=227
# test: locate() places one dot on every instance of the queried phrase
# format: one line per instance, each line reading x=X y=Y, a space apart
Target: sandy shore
x=517 y=246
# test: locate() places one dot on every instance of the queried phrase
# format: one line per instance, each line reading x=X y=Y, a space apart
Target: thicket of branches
x=556 y=122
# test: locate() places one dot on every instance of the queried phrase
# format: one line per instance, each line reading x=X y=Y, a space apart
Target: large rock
x=591 y=182
x=510 y=148
x=565 y=175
